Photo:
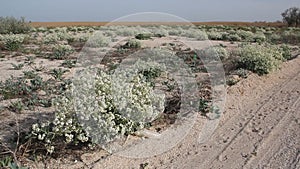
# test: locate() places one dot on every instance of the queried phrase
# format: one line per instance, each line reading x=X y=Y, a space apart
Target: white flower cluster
x=12 y=41
x=133 y=93
x=50 y=38
x=100 y=107
x=260 y=59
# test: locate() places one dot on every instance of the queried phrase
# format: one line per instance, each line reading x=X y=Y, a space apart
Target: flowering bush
x=100 y=108
x=260 y=59
x=51 y=38
x=12 y=41
x=259 y=37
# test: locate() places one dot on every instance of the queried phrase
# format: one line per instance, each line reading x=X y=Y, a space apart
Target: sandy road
x=259 y=129
x=266 y=135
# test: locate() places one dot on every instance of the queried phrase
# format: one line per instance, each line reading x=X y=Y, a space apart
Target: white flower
x=41 y=136
x=35 y=127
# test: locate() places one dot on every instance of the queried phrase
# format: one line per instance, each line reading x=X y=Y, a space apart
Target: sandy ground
x=259 y=129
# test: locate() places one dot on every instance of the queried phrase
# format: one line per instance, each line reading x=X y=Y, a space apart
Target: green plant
x=51 y=38
x=12 y=42
x=98 y=40
x=260 y=59
x=108 y=113
x=57 y=73
x=17 y=106
x=241 y=72
x=61 y=51
x=69 y=63
x=13 y=25
x=291 y=16
x=203 y=106
x=286 y=52
x=219 y=51
x=195 y=34
x=143 y=36
x=14 y=88
x=29 y=74
x=29 y=60
x=17 y=66
x=132 y=44
x=144 y=165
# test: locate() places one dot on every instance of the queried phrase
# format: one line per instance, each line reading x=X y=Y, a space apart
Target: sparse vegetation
x=43 y=57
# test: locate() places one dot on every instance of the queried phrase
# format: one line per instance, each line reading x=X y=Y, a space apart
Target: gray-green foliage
x=260 y=59
x=61 y=51
x=8 y=163
x=132 y=43
x=13 y=25
x=12 y=41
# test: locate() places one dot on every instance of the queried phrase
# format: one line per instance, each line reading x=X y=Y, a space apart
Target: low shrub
x=12 y=42
x=78 y=113
x=132 y=44
x=286 y=52
x=260 y=59
x=195 y=34
x=98 y=40
x=61 y=51
x=214 y=35
x=13 y=25
x=216 y=52
x=143 y=36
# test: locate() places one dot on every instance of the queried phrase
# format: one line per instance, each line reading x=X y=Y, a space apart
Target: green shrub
x=143 y=36
x=217 y=51
x=246 y=35
x=260 y=59
x=51 y=38
x=132 y=44
x=259 y=37
x=286 y=52
x=13 y=25
x=214 y=35
x=61 y=51
x=12 y=42
x=231 y=37
x=98 y=40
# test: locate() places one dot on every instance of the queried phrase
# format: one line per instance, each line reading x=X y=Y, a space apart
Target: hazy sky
x=108 y=10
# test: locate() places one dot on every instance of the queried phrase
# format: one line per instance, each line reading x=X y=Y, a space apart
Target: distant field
x=58 y=24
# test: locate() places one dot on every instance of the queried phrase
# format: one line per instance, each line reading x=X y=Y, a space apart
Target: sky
x=109 y=10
